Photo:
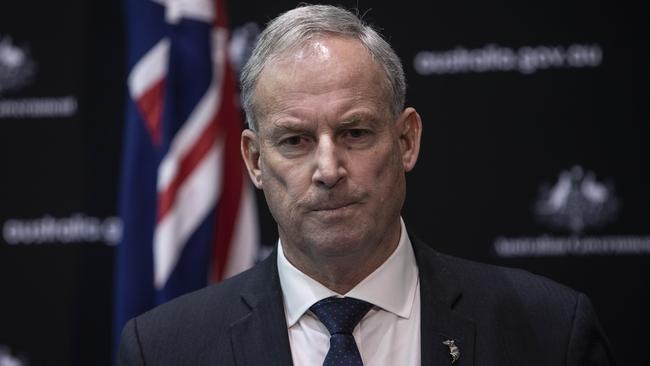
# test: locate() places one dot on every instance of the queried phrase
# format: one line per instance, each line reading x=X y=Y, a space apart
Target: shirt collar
x=391 y=286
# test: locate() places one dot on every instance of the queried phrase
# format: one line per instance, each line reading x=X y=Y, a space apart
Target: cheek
x=285 y=178
x=387 y=174
x=387 y=163
x=272 y=169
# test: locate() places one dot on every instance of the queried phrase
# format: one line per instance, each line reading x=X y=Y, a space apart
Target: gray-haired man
x=329 y=144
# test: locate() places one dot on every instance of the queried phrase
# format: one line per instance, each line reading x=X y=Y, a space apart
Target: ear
x=250 y=151
x=409 y=126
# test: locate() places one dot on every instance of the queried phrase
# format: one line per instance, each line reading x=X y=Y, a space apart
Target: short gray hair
x=296 y=27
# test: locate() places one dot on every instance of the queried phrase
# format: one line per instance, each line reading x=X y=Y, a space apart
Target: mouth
x=332 y=207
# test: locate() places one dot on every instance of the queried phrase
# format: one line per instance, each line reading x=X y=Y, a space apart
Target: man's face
x=329 y=155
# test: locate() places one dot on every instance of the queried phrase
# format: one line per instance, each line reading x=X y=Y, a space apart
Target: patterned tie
x=340 y=316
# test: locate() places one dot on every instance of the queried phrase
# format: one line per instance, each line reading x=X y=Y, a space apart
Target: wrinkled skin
x=331 y=159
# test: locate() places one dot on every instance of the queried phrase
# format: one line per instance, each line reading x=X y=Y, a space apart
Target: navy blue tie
x=340 y=316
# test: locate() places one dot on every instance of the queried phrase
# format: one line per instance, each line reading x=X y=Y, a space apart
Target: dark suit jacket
x=497 y=316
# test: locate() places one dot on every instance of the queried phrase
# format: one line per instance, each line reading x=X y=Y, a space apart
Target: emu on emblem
x=454 y=352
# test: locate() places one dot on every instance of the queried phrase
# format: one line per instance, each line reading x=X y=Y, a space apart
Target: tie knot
x=340 y=315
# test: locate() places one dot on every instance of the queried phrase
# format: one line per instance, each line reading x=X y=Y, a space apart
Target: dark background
x=491 y=140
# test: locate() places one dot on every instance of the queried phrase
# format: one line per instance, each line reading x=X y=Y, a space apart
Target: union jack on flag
x=188 y=210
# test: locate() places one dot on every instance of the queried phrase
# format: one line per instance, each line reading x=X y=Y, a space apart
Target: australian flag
x=188 y=211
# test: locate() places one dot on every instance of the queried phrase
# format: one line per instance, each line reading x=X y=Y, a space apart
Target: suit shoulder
x=497 y=283
x=216 y=305
x=516 y=307
x=196 y=327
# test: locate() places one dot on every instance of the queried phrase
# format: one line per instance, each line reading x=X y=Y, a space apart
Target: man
x=329 y=144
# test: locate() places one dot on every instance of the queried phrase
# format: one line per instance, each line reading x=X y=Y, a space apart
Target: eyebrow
x=283 y=126
x=357 y=119
x=350 y=122
x=287 y=125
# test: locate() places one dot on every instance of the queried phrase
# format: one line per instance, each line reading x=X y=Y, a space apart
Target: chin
x=335 y=243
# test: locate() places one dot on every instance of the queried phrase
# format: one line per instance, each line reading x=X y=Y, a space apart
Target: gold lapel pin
x=454 y=352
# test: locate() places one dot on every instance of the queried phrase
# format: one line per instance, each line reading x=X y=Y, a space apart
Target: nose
x=329 y=169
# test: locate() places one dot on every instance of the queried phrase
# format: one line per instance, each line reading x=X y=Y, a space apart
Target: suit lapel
x=439 y=293
x=260 y=337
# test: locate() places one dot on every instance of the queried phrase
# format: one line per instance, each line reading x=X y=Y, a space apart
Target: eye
x=292 y=141
x=357 y=133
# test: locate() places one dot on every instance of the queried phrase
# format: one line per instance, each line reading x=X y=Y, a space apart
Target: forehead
x=326 y=67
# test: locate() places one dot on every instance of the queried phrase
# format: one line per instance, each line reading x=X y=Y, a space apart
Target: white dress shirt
x=389 y=334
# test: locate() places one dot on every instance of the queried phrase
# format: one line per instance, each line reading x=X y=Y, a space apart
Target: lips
x=331 y=202
x=332 y=207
